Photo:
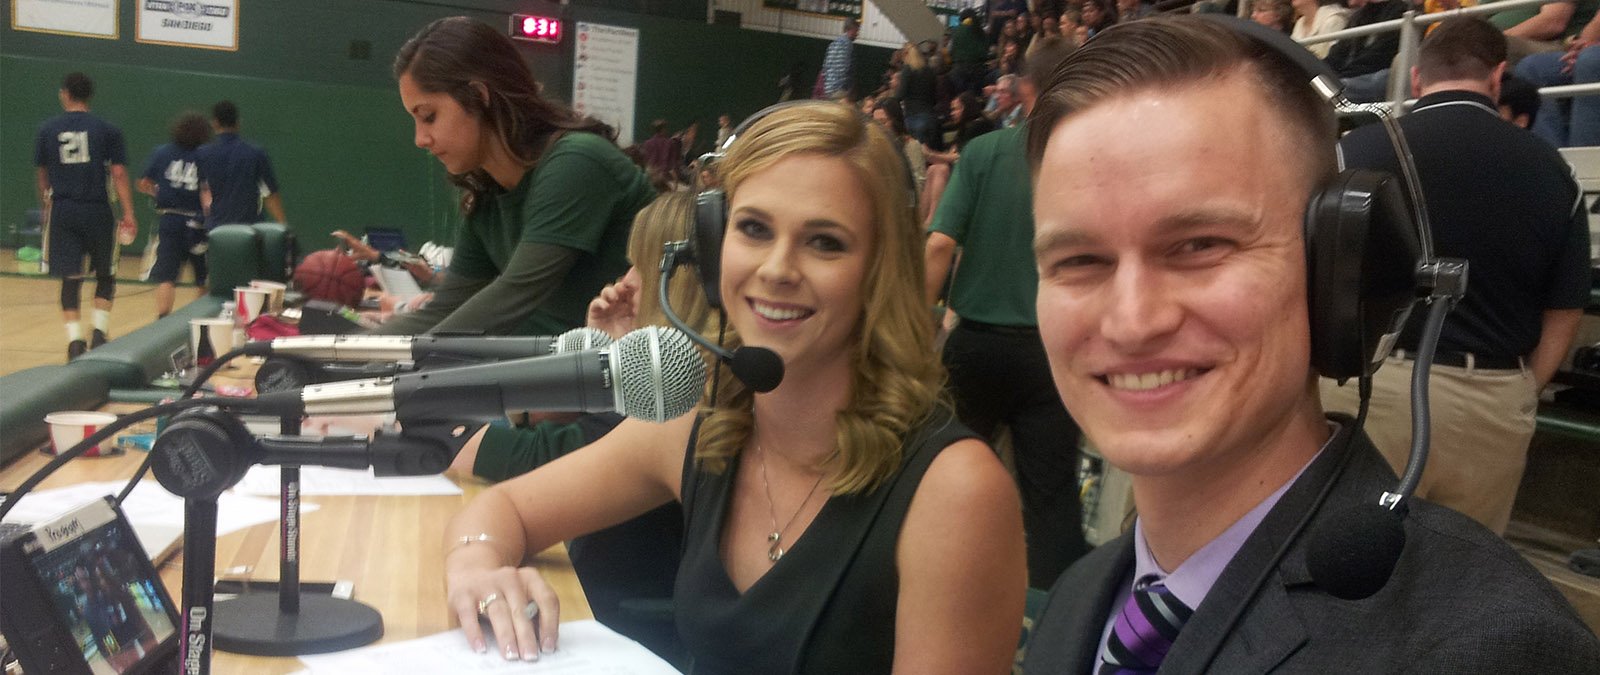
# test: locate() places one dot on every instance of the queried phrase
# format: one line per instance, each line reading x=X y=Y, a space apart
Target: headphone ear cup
x=1361 y=261
x=710 y=220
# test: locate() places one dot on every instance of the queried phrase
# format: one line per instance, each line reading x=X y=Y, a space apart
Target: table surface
x=390 y=546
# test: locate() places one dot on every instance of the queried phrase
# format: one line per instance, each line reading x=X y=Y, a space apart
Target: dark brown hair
x=1173 y=51
x=190 y=130
x=451 y=55
x=78 y=86
x=1461 y=48
x=226 y=114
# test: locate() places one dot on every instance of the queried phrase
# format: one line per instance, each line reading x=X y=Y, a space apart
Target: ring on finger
x=483 y=605
x=531 y=610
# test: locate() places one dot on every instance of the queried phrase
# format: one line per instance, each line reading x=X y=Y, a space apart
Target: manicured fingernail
x=511 y=653
x=549 y=646
x=530 y=655
x=480 y=647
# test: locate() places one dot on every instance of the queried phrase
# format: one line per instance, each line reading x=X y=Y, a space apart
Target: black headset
x=758 y=368
x=711 y=206
x=1369 y=259
x=1363 y=237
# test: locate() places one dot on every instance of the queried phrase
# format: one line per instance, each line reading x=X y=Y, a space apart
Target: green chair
x=233 y=259
x=277 y=251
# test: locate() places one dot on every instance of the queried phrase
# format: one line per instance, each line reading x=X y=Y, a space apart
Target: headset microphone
x=759 y=368
x=1370 y=259
x=1353 y=554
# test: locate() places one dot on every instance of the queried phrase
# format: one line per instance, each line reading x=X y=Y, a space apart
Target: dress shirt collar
x=1193 y=579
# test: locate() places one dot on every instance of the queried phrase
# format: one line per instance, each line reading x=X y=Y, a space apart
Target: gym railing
x=1411 y=26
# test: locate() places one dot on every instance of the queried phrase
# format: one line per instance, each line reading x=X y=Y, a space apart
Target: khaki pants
x=1481 y=424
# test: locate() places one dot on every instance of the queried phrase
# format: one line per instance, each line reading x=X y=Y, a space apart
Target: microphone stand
x=293 y=623
x=199 y=563
x=250 y=624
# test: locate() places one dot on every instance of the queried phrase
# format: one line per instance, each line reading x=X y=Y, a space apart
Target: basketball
x=332 y=276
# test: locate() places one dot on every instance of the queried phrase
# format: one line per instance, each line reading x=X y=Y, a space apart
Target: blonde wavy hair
x=670 y=217
x=896 y=377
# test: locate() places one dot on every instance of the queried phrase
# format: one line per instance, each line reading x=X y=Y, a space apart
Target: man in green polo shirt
x=998 y=370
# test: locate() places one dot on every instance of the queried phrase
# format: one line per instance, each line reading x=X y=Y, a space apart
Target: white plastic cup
x=278 y=289
x=251 y=302
x=210 y=338
x=70 y=427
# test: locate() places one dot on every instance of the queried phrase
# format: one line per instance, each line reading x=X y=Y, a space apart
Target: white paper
x=319 y=480
x=396 y=282
x=605 y=73
x=587 y=648
x=156 y=515
x=92 y=18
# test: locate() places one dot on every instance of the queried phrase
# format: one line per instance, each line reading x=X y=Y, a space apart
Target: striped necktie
x=1144 y=631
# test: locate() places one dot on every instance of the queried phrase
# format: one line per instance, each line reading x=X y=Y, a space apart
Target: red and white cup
x=70 y=427
x=251 y=302
x=209 y=339
x=275 y=303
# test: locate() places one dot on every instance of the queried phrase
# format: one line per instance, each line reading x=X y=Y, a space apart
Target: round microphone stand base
x=253 y=624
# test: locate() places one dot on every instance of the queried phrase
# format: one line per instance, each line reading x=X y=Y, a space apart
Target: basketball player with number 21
x=73 y=152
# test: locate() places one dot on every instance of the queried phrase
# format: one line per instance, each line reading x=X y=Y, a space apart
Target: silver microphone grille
x=580 y=340
x=658 y=374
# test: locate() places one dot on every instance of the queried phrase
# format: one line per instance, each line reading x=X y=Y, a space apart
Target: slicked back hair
x=1167 y=52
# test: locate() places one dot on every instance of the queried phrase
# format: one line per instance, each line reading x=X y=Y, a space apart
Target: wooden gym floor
x=31 y=330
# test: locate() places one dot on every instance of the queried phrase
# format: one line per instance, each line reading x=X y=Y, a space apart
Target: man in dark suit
x=1173 y=308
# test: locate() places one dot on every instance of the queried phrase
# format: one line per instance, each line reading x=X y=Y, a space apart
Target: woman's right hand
x=503 y=596
x=616 y=309
x=358 y=249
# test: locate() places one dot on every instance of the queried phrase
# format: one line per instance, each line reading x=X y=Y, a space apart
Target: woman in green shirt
x=548 y=197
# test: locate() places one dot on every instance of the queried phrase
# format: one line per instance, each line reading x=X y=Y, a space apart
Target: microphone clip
x=1442 y=279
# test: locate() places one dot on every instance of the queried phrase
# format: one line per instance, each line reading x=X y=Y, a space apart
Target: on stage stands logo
x=189 y=14
x=196 y=641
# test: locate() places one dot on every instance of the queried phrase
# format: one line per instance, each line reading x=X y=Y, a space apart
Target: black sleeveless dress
x=828 y=606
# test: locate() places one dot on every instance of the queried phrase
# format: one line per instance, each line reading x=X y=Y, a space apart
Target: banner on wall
x=605 y=70
x=87 y=18
x=203 y=24
x=851 y=8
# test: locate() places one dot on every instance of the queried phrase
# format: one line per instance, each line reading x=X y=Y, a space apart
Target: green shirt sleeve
x=534 y=272
x=505 y=452
x=448 y=294
x=956 y=207
x=575 y=191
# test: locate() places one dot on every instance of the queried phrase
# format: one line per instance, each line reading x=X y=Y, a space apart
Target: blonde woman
x=918 y=92
x=842 y=522
x=1318 y=17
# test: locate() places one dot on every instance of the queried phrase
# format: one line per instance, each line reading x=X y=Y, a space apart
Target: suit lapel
x=1269 y=629
x=1076 y=622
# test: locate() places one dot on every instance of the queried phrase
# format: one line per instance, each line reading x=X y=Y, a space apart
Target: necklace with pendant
x=775 y=548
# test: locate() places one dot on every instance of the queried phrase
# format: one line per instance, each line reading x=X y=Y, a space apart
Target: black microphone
x=759 y=368
x=427 y=348
x=204 y=451
x=652 y=373
x=1352 y=554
